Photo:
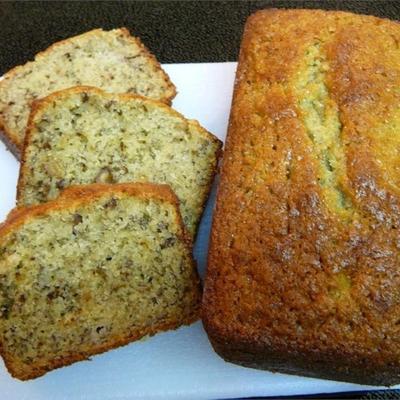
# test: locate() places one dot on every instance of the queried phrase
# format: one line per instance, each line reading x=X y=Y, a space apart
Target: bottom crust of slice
x=39 y=369
x=10 y=145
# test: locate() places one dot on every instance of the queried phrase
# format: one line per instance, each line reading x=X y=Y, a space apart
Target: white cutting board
x=172 y=365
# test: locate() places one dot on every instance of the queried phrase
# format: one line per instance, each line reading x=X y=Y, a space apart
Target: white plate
x=171 y=365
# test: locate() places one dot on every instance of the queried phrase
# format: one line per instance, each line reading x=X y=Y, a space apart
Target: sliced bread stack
x=112 y=60
x=90 y=267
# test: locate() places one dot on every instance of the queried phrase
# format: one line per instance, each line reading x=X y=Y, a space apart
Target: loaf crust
x=70 y=199
x=12 y=137
x=303 y=269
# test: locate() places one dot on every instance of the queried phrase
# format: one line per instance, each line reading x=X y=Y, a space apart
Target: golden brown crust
x=11 y=138
x=39 y=105
x=72 y=198
x=292 y=284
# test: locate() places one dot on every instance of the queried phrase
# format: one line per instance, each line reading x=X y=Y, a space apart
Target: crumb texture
x=303 y=274
x=79 y=279
x=84 y=136
x=320 y=116
x=113 y=61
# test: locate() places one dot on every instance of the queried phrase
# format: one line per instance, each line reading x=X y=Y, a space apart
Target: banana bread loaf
x=97 y=268
x=83 y=135
x=113 y=61
x=303 y=271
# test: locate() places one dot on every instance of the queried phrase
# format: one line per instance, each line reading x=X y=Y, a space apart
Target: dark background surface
x=175 y=31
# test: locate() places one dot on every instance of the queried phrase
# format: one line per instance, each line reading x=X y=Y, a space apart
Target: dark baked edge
x=294 y=362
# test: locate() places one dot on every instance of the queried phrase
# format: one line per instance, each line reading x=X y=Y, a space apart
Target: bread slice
x=111 y=60
x=97 y=268
x=83 y=135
